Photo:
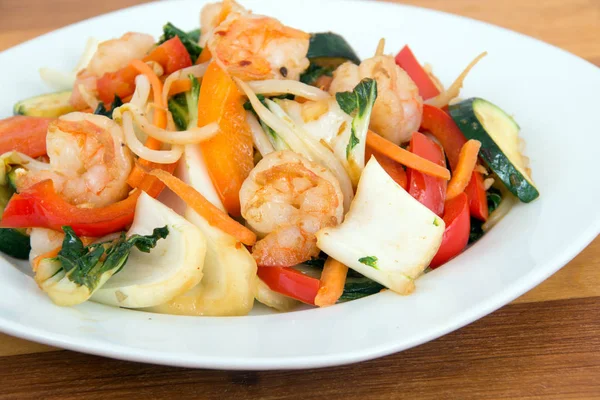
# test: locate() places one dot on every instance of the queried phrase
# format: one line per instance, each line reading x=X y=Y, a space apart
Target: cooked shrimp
x=111 y=56
x=254 y=47
x=287 y=199
x=213 y=14
x=88 y=158
x=399 y=107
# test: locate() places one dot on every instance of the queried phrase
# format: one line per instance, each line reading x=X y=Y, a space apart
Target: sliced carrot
x=229 y=154
x=467 y=160
x=205 y=208
x=332 y=283
x=180 y=86
x=381 y=145
x=138 y=177
x=49 y=254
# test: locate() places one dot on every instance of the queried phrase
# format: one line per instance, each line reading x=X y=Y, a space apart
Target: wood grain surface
x=544 y=345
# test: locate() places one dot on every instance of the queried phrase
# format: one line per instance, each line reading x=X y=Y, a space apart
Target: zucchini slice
x=50 y=105
x=329 y=49
x=499 y=136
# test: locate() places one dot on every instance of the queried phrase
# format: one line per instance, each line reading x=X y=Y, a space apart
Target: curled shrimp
x=255 y=47
x=399 y=107
x=287 y=199
x=111 y=56
x=88 y=158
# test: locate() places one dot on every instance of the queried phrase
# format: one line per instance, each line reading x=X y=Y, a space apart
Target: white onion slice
x=142 y=91
x=260 y=138
x=508 y=201
x=277 y=86
x=138 y=148
x=190 y=136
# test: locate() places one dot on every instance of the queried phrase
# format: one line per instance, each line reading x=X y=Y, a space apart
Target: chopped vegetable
x=404 y=157
x=408 y=62
x=429 y=190
x=456 y=235
x=171 y=55
x=102 y=110
x=445 y=130
x=464 y=169
x=40 y=206
x=385 y=227
x=175 y=265
x=394 y=169
x=78 y=271
x=314 y=72
x=358 y=287
x=358 y=104
x=499 y=136
x=51 y=105
x=205 y=208
x=26 y=135
x=229 y=154
x=189 y=39
x=330 y=49
x=332 y=283
x=13 y=242
x=453 y=91
x=291 y=283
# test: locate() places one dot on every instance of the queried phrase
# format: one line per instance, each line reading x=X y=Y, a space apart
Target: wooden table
x=546 y=343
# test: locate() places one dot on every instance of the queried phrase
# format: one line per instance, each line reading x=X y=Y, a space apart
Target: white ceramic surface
x=553 y=95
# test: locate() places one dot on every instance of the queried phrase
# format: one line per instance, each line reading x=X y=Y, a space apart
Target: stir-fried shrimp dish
x=248 y=161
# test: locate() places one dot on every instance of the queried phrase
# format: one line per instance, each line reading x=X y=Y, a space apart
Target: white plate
x=554 y=97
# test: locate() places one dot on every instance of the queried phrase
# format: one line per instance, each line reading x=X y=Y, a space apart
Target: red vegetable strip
x=408 y=62
x=24 y=134
x=41 y=207
x=456 y=234
x=290 y=282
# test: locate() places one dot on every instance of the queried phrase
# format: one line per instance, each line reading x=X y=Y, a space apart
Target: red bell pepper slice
x=291 y=283
x=171 y=55
x=429 y=190
x=26 y=135
x=395 y=170
x=458 y=227
x=442 y=126
x=408 y=62
x=41 y=207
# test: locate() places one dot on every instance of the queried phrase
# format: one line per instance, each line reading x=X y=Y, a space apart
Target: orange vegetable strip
x=229 y=155
x=180 y=86
x=467 y=160
x=332 y=283
x=404 y=157
x=205 y=208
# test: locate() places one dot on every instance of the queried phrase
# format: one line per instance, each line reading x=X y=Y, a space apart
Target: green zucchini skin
x=464 y=115
x=330 y=45
x=355 y=288
x=15 y=243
